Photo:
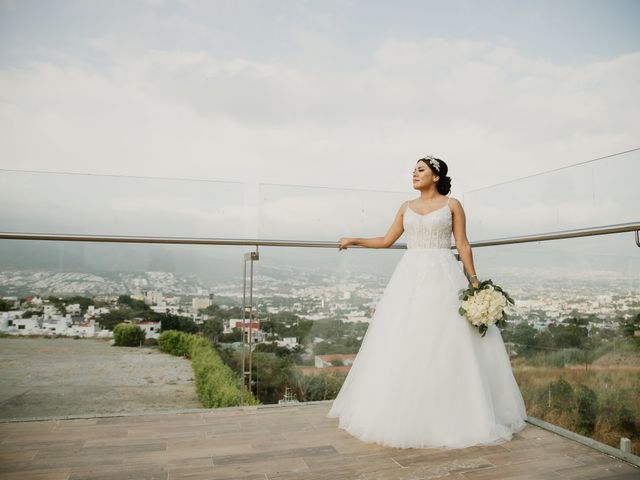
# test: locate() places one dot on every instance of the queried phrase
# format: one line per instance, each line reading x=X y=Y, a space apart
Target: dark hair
x=444 y=182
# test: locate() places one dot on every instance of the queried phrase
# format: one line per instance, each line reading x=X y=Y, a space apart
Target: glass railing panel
x=314 y=306
x=59 y=304
x=574 y=331
x=62 y=203
x=325 y=214
x=594 y=193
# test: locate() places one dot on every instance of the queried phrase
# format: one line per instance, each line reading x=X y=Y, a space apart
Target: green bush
x=127 y=335
x=616 y=410
x=559 y=358
x=562 y=395
x=176 y=343
x=216 y=384
x=587 y=402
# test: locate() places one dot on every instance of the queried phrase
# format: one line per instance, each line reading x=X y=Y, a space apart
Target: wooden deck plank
x=273 y=443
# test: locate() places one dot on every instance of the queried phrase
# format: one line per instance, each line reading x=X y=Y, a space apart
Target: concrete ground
x=67 y=377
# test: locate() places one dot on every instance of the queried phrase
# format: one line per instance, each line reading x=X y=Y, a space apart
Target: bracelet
x=473 y=276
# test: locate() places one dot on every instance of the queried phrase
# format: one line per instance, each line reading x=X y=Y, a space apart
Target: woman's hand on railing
x=344 y=242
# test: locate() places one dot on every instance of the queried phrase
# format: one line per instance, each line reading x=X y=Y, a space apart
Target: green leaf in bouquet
x=461 y=311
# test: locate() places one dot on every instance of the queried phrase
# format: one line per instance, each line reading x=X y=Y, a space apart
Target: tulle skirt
x=424 y=377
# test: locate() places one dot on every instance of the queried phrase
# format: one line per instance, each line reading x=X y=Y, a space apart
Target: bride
x=424 y=377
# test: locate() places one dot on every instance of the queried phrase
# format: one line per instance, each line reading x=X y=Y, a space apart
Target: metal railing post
x=247 y=336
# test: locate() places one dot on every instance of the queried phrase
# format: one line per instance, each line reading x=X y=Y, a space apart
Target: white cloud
x=490 y=111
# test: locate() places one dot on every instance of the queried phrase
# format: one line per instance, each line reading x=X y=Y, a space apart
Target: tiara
x=433 y=161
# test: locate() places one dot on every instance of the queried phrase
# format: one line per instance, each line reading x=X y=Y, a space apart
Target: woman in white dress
x=424 y=377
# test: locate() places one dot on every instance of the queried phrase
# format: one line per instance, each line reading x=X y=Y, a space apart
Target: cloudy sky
x=342 y=94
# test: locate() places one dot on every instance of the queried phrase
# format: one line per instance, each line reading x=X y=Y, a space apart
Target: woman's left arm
x=462 y=244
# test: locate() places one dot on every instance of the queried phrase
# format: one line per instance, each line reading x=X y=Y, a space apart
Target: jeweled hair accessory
x=434 y=162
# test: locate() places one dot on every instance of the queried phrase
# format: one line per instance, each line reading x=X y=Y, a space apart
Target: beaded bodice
x=432 y=230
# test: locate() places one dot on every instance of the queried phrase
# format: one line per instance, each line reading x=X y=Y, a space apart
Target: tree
x=273 y=348
x=174 y=322
x=628 y=327
x=132 y=303
x=84 y=302
x=4 y=305
x=126 y=335
x=570 y=333
x=522 y=334
x=587 y=403
x=111 y=319
x=562 y=395
x=213 y=329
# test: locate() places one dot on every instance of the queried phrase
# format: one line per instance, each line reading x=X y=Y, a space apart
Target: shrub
x=616 y=412
x=176 y=343
x=587 y=402
x=562 y=395
x=216 y=384
x=127 y=335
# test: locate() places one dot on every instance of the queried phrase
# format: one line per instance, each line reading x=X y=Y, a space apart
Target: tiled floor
x=274 y=442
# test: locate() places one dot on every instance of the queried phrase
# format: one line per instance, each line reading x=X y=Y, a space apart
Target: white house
x=87 y=329
x=288 y=342
x=151 y=329
x=153 y=298
x=49 y=310
x=172 y=309
x=198 y=303
x=74 y=309
x=56 y=325
x=24 y=325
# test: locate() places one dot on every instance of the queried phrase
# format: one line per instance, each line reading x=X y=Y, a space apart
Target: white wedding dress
x=424 y=377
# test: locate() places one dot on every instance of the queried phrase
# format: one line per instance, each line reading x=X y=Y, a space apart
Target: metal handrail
x=561 y=234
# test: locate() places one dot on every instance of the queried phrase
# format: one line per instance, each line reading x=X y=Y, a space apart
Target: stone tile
x=56 y=436
x=74 y=423
x=595 y=471
x=22 y=428
x=59 y=463
x=322 y=450
x=203 y=445
x=17 y=456
x=37 y=446
x=534 y=468
x=47 y=474
x=139 y=472
x=532 y=431
x=102 y=450
x=266 y=468
x=409 y=457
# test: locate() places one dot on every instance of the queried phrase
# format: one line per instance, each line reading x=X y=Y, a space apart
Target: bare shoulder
x=403 y=207
x=455 y=203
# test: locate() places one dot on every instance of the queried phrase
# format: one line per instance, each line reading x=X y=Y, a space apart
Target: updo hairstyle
x=444 y=182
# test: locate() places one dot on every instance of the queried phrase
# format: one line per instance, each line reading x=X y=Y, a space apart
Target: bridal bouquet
x=484 y=305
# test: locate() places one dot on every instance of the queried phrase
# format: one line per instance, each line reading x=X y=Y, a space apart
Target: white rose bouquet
x=484 y=305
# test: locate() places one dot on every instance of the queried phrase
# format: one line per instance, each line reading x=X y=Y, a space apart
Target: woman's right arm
x=389 y=239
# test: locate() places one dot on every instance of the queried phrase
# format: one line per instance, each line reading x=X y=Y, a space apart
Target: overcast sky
x=325 y=93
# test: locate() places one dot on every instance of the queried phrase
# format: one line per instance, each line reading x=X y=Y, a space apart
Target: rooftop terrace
x=274 y=442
